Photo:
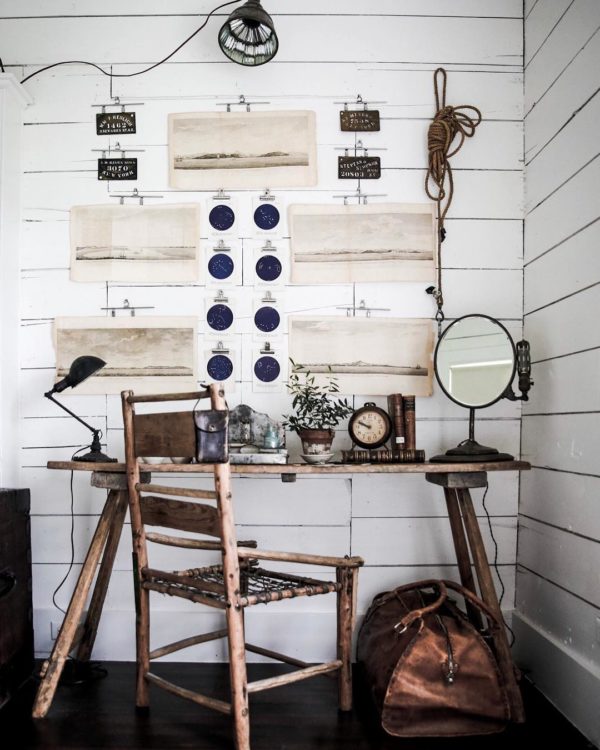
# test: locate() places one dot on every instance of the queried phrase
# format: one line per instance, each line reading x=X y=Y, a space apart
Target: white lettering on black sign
x=359 y=167
x=359 y=120
x=117 y=169
x=114 y=123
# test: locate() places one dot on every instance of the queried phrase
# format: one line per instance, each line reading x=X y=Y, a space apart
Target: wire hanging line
x=449 y=123
x=111 y=75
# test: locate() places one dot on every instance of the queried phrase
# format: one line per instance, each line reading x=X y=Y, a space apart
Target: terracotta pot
x=315 y=442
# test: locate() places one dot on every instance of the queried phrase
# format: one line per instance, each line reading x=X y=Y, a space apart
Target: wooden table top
x=303 y=468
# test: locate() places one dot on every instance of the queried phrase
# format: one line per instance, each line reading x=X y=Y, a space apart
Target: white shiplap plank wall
x=385 y=50
x=558 y=593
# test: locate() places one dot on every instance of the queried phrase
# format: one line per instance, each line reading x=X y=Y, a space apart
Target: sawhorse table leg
x=468 y=544
x=103 y=549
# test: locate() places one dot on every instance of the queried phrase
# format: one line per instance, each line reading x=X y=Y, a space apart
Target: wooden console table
x=456 y=479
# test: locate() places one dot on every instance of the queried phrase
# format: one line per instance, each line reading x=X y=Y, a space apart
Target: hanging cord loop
x=448 y=124
x=445 y=137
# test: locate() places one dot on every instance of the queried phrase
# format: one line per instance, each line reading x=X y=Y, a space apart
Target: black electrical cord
x=2 y=66
x=502 y=589
x=76 y=672
x=61 y=584
x=139 y=72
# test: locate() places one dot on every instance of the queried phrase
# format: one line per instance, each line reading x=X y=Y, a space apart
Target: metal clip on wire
x=439 y=300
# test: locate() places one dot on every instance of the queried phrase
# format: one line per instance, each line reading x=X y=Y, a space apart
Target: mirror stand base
x=469 y=451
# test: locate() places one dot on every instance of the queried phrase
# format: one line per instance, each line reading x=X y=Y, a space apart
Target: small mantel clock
x=370 y=427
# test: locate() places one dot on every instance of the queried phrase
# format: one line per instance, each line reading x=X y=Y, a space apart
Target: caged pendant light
x=248 y=36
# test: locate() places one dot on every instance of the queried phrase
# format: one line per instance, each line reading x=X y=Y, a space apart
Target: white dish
x=317 y=458
x=165 y=460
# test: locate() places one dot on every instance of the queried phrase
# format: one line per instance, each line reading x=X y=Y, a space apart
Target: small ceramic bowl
x=317 y=458
x=165 y=460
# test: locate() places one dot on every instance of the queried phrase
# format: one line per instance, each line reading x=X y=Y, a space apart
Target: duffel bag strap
x=476 y=602
x=418 y=614
x=384 y=596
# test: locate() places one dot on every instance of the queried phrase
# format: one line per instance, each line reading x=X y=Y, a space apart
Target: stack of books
x=383 y=456
x=402 y=412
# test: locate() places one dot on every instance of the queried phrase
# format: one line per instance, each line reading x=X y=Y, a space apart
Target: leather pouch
x=212 y=433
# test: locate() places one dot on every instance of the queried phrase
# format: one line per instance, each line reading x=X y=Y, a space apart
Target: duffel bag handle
x=385 y=596
x=476 y=602
x=418 y=614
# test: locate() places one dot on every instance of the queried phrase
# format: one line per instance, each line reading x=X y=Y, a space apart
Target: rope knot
x=448 y=124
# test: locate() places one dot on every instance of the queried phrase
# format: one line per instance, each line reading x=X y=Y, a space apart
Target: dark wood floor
x=303 y=716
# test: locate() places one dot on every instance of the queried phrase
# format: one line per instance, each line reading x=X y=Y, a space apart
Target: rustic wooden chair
x=234 y=584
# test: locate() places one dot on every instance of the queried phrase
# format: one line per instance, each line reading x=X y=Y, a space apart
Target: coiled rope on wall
x=448 y=125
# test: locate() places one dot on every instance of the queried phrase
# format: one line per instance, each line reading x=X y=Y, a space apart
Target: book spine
x=383 y=457
x=396 y=412
x=410 y=427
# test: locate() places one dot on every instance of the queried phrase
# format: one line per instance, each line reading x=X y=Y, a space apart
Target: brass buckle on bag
x=403 y=625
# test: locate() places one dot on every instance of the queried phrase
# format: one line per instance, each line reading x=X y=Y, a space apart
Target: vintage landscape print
x=345 y=244
x=140 y=353
x=367 y=356
x=159 y=243
x=209 y=150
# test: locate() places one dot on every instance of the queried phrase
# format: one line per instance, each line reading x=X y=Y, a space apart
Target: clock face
x=369 y=427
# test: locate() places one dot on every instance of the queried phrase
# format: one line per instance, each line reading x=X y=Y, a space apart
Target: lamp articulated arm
x=50 y=395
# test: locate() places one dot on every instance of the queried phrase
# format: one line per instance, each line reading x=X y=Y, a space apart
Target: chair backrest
x=172 y=434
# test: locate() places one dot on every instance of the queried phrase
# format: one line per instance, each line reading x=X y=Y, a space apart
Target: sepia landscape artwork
x=136 y=243
x=146 y=354
x=368 y=356
x=209 y=151
x=344 y=244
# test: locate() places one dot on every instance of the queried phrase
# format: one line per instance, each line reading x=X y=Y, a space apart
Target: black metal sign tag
x=359 y=120
x=117 y=169
x=115 y=123
x=359 y=167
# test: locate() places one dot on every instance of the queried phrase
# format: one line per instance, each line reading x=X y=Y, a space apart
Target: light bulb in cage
x=248 y=36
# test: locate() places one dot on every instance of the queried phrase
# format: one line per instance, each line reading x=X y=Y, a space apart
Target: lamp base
x=96 y=457
x=470 y=451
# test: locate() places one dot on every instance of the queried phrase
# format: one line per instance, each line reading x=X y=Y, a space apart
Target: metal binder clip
x=119 y=148
x=359 y=146
x=116 y=104
x=220 y=349
x=352 y=309
x=220 y=297
x=360 y=196
x=241 y=102
x=359 y=102
x=221 y=195
x=134 y=194
x=126 y=306
x=221 y=247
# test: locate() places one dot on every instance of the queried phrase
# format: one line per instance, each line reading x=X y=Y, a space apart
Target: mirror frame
x=514 y=367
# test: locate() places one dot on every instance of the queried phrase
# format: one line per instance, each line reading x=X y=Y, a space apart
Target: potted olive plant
x=317 y=410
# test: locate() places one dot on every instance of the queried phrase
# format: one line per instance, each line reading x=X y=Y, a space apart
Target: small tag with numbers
x=117 y=169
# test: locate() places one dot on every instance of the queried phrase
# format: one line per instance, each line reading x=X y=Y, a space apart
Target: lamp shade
x=81 y=369
x=248 y=36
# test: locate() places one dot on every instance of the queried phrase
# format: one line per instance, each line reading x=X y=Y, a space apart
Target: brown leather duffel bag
x=430 y=671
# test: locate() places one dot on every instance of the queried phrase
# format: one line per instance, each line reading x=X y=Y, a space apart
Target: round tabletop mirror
x=475 y=361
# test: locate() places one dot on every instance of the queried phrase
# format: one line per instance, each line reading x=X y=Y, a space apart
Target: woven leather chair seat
x=258 y=586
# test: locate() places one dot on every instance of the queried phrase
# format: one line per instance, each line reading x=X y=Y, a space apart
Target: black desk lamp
x=81 y=369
